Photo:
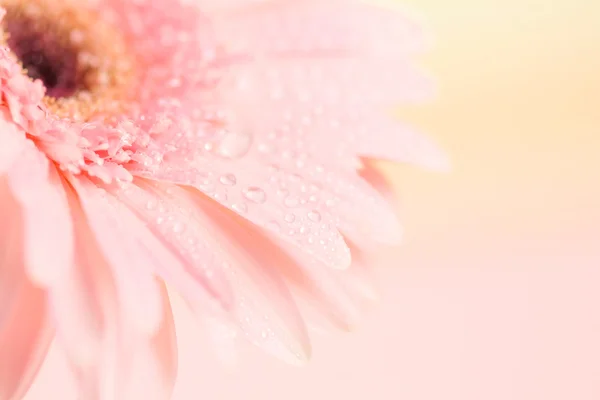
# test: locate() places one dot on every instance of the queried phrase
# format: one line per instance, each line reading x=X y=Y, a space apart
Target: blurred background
x=495 y=293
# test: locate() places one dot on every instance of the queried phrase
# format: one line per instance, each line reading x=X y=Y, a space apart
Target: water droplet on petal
x=291 y=202
x=274 y=226
x=233 y=145
x=255 y=194
x=228 y=179
x=178 y=227
x=240 y=207
x=314 y=216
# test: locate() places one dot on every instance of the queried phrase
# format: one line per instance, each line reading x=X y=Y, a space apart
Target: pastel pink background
x=495 y=293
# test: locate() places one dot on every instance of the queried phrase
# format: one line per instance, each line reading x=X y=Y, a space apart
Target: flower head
x=218 y=150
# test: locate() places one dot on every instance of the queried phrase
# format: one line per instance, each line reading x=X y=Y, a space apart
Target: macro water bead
x=217 y=147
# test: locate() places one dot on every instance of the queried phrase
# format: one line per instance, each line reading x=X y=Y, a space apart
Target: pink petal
x=154 y=363
x=334 y=299
x=359 y=280
x=320 y=88
x=324 y=291
x=13 y=143
x=12 y=267
x=82 y=304
x=137 y=290
x=264 y=310
x=376 y=178
x=399 y=143
x=322 y=79
x=164 y=343
x=309 y=26
x=253 y=191
x=213 y=6
x=176 y=246
x=25 y=335
x=339 y=302
x=48 y=228
x=342 y=194
x=379 y=225
x=223 y=338
x=104 y=341
x=326 y=108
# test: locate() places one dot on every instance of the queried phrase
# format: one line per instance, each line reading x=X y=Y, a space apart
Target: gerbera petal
x=226 y=5
x=380 y=225
x=309 y=26
x=154 y=363
x=164 y=342
x=376 y=178
x=176 y=247
x=359 y=280
x=264 y=310
x=252 y=190
x=11 y=250
x=48 y=228
x=328 y=299
x=223 y=338
x=324 y=107
x=334 y=299
x=12 y=144
x=320 y=89
x=137 y=289
x=82 y=302
x=316 y=284
x=399 y=143
x=25 y=334
x=102 y=338
x=341 y=193
x=25 y=337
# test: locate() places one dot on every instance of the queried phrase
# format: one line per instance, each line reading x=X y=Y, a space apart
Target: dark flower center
x=82 y=61
x=45 y=58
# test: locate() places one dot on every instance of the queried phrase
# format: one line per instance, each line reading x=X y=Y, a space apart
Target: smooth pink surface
x=495 y=293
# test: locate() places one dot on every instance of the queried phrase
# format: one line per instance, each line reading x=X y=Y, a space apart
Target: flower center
x=82 y=62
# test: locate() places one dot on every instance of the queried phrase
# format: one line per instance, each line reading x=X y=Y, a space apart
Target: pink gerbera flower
x=217 y=150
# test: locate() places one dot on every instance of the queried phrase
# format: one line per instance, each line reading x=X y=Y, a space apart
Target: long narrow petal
x=324 y=289
x=332 y=299
x=372 y=174
x=264 y=309
x=250 y=189
x=82 y=304
x=225 y=6
x=175 y=247
x=343 y=194
x=290 y=26
x=12 y=144
x=39 y=191
x=25 y=338
x=397 y=142
x=11 y=251
x=25 y=333
x=154 y=363
x=108 y=347
x=223 y=338
x=137 y=290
